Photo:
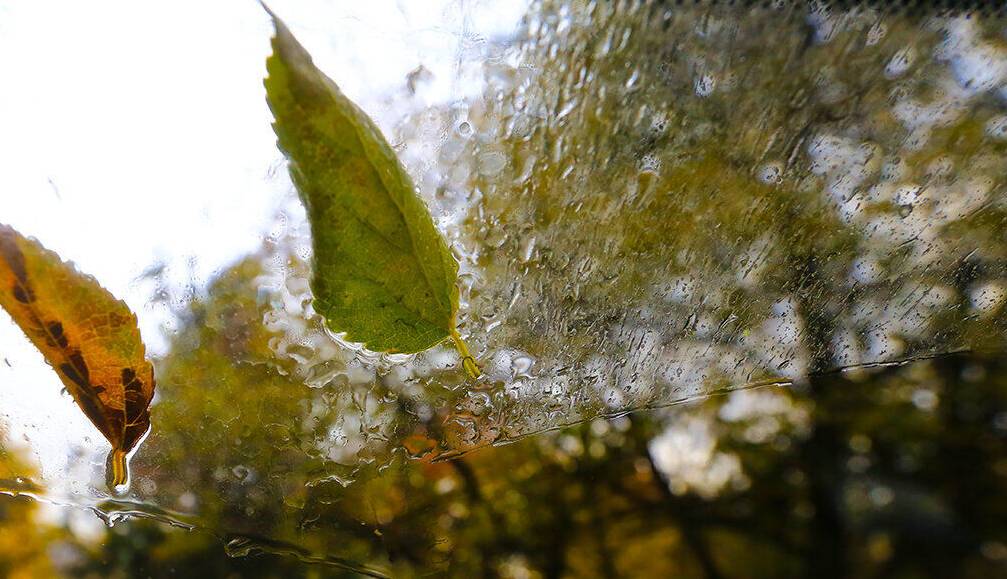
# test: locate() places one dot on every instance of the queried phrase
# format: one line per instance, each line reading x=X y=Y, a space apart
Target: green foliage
x=853 y=470
x=24 y=538
x=383 y=274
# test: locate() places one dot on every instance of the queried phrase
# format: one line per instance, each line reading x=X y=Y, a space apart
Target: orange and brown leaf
x=89 y=338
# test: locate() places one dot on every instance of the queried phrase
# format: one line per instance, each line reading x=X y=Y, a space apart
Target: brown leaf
x=88 y=337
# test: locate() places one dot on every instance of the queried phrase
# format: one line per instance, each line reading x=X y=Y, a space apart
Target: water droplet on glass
x=705 y=85
x=527 y=249
x=242 y=473
x=521 y=365
x=771 y=173
x=491 y=162
x=633 y=79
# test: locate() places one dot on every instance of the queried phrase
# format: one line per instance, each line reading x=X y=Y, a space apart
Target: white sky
x=136 y=132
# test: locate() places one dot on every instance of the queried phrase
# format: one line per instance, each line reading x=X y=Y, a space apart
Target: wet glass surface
x=735 y=278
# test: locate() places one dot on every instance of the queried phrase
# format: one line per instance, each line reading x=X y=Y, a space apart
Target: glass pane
x=651 y=203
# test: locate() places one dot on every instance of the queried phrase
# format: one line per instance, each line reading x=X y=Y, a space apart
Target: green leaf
x=382 y=272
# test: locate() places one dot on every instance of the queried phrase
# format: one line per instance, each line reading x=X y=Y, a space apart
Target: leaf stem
x=468 y=362
x=117 y=471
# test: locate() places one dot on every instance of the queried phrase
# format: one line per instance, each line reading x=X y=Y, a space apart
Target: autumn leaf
x=382 y=272
x=88 y=337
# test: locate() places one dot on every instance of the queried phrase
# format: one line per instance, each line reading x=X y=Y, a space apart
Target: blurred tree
x=891 y=472
x=25 y=542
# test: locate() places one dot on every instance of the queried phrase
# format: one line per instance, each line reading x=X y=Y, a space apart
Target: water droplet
x=771 y=173
x=465 y=129
x=705 y=85
x=527 y=249
x=243 y=473
x=521 y=365
x=491 y=162
x=633 y=79
x=343 y=481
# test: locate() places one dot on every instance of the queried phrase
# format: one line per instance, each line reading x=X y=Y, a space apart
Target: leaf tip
x=268 y=10
x=283 y=36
